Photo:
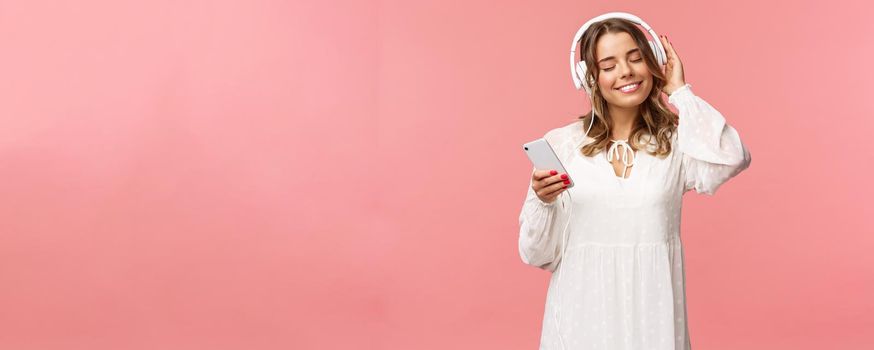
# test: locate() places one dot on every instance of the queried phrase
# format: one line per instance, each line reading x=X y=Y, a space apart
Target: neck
x=623 y=120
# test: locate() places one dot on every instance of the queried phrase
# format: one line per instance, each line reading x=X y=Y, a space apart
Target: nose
x=625 y=70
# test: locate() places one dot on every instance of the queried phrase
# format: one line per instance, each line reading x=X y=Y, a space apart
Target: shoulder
x=570 y=131
x=674 y=143
x=675 y=140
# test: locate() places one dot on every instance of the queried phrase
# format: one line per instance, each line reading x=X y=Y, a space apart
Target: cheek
x=645 y=73
x=605 y=81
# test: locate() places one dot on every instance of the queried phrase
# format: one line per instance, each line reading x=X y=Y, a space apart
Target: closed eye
x=611 y=68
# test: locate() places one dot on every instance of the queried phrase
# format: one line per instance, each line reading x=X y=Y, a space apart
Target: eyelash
x=611 y=68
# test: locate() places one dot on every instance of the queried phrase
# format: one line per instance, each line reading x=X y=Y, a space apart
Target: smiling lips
x=630 y=88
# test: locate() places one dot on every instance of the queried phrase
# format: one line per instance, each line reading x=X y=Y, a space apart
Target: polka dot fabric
x=623 y=276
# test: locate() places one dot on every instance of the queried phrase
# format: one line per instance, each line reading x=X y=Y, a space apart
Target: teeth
x=628 y=87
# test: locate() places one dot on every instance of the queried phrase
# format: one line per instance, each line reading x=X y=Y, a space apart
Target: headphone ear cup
x=581 y=73
x=657 y=53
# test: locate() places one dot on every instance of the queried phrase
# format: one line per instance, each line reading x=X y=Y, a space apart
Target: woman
x=623 y=276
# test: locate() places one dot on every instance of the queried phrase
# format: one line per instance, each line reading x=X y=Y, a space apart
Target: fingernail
x=567 y=182
x=564 y=187
x=553 y=172
x=564 y=176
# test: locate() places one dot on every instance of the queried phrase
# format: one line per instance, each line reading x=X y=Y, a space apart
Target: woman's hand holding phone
x=548 y=184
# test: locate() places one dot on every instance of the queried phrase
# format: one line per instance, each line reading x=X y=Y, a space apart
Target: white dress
x=622 y=280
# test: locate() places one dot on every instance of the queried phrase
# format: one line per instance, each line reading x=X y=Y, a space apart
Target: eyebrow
x=611 y=57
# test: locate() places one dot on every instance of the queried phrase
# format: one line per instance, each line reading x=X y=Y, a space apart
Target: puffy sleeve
x=712 y=150
x=539 y=230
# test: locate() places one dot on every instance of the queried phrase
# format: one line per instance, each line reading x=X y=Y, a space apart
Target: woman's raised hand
x=548 y=184
x=673 y=67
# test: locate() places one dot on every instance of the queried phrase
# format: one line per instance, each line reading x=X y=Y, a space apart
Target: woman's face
x=620 y=63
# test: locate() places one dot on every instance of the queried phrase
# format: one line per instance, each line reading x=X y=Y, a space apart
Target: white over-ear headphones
x=578 y=69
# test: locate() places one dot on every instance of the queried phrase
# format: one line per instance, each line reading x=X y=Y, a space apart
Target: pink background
x=287 y=175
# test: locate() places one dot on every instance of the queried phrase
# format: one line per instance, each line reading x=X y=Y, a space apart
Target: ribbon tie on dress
x=614 y=148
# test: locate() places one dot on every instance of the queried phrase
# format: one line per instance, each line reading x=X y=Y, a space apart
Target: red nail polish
x=553 y=172
x=564 y=176
x=567 y=182
x=564 y=187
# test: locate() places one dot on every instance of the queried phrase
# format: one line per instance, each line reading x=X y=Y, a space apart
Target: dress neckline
x=641 y=159
x=623 y=151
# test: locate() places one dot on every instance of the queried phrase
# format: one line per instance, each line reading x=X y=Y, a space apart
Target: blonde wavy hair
x=656 y=119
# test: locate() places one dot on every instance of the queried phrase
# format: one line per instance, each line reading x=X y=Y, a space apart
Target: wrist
x=679 y=93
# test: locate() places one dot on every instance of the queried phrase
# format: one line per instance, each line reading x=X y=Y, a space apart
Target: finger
x=670 y=47
x=556 y=179
x=545 y=176
x=551 y=183
x=668 y=52
x=555 y=182
x=553 y=190
x=539 y=175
